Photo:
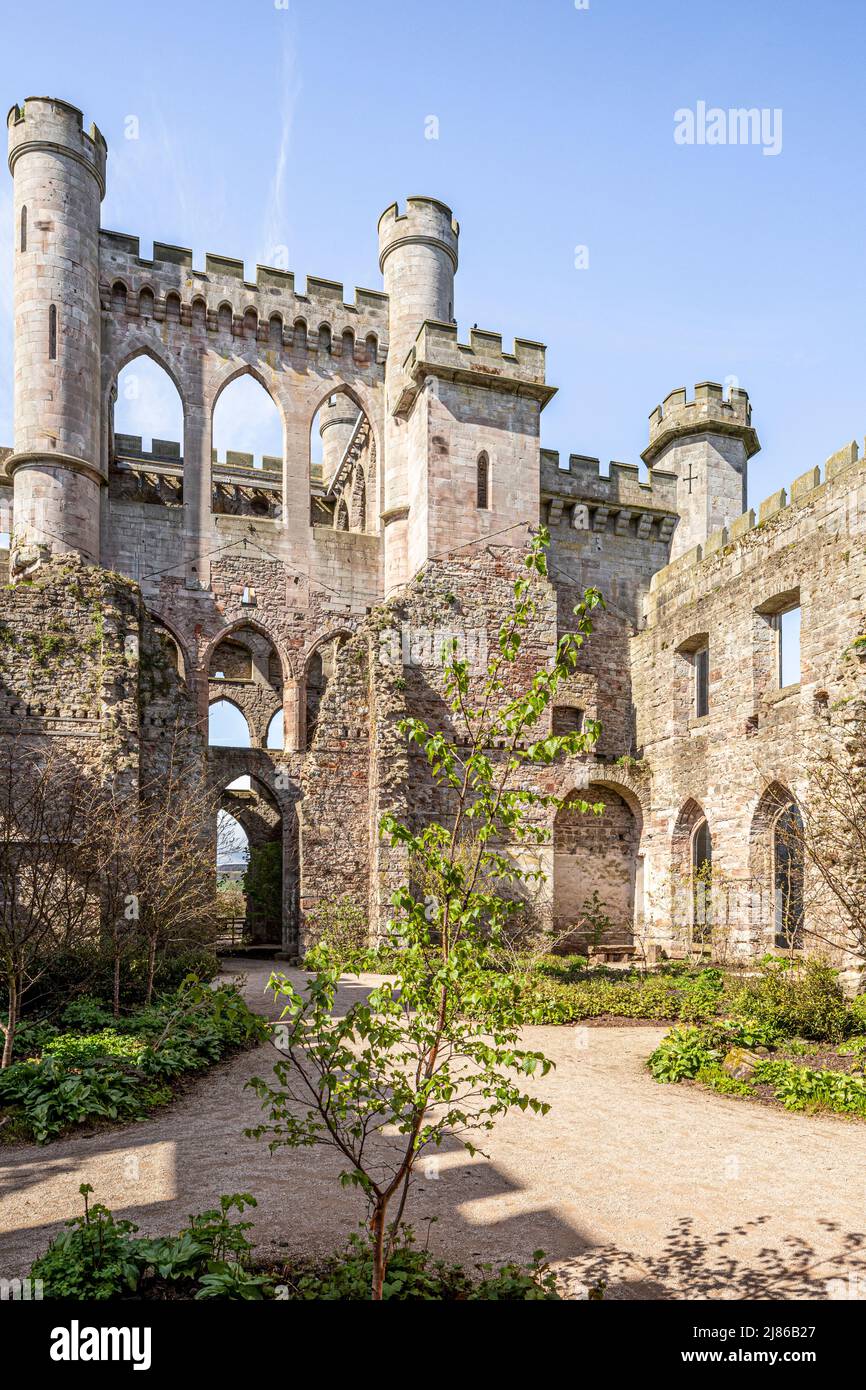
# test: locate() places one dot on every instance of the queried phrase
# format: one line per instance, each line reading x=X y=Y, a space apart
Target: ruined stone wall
x=755 y=734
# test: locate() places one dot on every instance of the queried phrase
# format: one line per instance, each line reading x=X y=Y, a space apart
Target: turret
x=418 y=260
x=707 y=443
x=58 y=170
x=337 y=420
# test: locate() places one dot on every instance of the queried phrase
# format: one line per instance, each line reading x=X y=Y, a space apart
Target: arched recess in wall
x=227 y=726
x=777 y=862
x=247 y=450
x=320 y=668
x=482 y=483
x=147 y=434
x=595 y=865
x=171 y=646
x=693 y=890
x=342 y=452
x=245 y=666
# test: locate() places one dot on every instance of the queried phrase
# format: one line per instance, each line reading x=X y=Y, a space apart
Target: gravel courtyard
x=661 y=1191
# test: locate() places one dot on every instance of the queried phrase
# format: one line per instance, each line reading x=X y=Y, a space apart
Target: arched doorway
x=250 y=856
x=595 y=862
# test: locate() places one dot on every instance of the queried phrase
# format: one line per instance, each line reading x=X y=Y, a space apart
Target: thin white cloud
x=275 y=228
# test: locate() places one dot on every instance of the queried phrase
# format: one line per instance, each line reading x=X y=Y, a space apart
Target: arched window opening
x=275 y=331
x=276 y=737
x=118 y=297
x=231 y=661
x=232 y=858
x=148 y=418
x=347 y=346
x=227 y=727
x=702 y=882
x=52 y=332
x=324 y=337
x=171 y=650
x=341 y=457
x=225 y=318
x=299 y=335
x=199 y=315
x=247 y=441
x=788 y=878
x=145 y=303
x=23 y=242
x=172 y=307
x=483 y=483
x=251 y=323
x=372 y=345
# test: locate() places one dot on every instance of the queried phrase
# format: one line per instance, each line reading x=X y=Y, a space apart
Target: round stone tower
x=58 y=170
x=418 y=260
x=707 y=444
x=337 y=420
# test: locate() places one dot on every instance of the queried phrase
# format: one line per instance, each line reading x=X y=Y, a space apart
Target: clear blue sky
x=262 y=125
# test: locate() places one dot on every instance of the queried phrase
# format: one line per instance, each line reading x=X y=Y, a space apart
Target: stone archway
x=596 y=855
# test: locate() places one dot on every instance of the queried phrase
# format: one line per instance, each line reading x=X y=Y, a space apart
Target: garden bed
x=91 y=1069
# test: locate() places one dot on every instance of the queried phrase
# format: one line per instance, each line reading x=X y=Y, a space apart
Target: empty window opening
x=276 y=732
x=788 y=878
x=24 y=228
x=227 y=727
x=148 y=408
x=789 y=647
x=702 y=869
x=52 y=332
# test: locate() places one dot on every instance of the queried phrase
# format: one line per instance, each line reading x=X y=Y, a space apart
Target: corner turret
x=707 y=444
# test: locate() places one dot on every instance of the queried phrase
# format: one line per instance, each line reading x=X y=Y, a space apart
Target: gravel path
x=663 y=1191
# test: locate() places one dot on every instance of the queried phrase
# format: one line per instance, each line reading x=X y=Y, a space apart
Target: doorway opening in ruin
x=595 y=867
x=227 y=727
x=342 y=465
x=250 y=859
x=247 y=450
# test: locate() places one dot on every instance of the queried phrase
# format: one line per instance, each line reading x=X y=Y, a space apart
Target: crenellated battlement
x=173 y=288
x=437 y=352
x=426 y=222
x=708 y=412
x=804 y=491
x=584 y=481
x=46 y=124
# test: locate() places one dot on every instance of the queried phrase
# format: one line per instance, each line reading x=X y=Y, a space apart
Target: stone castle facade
x=145 y=586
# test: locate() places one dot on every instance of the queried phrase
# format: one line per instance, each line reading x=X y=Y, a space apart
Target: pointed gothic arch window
x=702 y=864
x=483 y=483
x=788 y=877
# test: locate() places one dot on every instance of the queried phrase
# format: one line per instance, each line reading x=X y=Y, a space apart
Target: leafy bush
x=567 y=969
x=805 y=1000
x=120 y=1073
x=98 y=1258
x=416 y=1274
x=682 y=1054
x=339 y=925
x=803 y=1088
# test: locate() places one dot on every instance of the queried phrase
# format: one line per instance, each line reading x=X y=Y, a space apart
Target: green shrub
x=120 y=1073
x=567 y=969
x=802 y=1088
x=97 y=1258
x=683 y=1054
x=416 y=1274
x=804 y=1001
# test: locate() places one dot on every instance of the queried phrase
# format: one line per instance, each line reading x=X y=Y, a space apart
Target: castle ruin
x=145 y=585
